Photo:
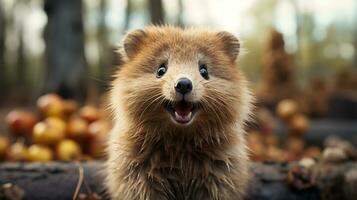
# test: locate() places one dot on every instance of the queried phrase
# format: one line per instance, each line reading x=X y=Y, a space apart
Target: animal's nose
x=183 y=86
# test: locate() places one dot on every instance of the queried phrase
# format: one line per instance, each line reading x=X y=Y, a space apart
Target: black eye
x=161 y=70
x=204 y=71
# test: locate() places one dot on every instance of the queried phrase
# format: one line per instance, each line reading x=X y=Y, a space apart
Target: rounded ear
x=231 y=44
x=132 y=42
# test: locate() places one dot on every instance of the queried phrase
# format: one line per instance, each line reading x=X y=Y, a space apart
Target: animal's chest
x=183 y=175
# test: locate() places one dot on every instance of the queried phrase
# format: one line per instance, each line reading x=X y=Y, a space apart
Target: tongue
x=183 y=113
x=183 y=118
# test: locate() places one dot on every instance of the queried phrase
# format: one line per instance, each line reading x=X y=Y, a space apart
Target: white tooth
x=177 y=115
x=188 y=116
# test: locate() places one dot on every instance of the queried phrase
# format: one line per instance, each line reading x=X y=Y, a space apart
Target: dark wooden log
x=58 y=180
x=343 y=105
x=54 y=180
x=320 y=129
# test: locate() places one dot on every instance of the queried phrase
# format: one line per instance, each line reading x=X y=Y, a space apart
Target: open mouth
x=182 y=112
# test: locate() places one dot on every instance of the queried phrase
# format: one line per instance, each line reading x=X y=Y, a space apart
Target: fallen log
x=58 y=180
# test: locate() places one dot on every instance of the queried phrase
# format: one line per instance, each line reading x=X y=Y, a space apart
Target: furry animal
x=180 y=104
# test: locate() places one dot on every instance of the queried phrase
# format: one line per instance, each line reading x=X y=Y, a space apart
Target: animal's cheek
x=214 y=88
x=198 y=92
x=168 y=91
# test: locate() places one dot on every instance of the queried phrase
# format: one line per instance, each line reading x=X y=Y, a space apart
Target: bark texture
x=58 y=180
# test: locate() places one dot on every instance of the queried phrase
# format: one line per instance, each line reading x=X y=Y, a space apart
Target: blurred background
x=68 y=46
x=300 y=55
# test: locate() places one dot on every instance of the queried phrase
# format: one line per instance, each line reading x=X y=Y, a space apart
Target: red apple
x=20 y=122
x=99 y=129
x=98 y=132
x=90 y=113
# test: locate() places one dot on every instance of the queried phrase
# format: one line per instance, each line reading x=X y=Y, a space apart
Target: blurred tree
x=64 y=38
x=298 y=22
x=278 y=80
x=355 y=40
x=156 y=11
x=128 y=11
x=21 y=63
x=261 y=12
x=19 y=76
x=320 y=50
x=105 y=50
x=3 y=84
x=180 y=13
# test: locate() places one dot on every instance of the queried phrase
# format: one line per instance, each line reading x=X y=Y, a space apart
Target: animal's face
x=180 y=77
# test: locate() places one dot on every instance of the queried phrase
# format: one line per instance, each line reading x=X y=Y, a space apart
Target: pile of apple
x=61 y=131
x=267 y=146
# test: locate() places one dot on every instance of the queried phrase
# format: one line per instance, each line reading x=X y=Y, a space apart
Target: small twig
x=89 y=190
x=80 y=181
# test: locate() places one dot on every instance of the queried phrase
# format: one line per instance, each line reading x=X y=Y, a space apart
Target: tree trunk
x=355 y=37
x=64 y=37
x=180 y=14
x=21 y=63
x=3 y=79
x=156 y=11
x=105 y=50
x=128 y=10
x=58 y=180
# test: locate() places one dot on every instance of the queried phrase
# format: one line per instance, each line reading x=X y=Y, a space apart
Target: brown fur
x=152 y=158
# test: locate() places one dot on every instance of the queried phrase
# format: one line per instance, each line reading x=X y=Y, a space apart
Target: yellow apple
x=68 y=150
x=77 y=128
x=299 y=124
x=49 y=132
x=51 y=105
x=39 y=153
x=286 y=109
x=17 y=152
